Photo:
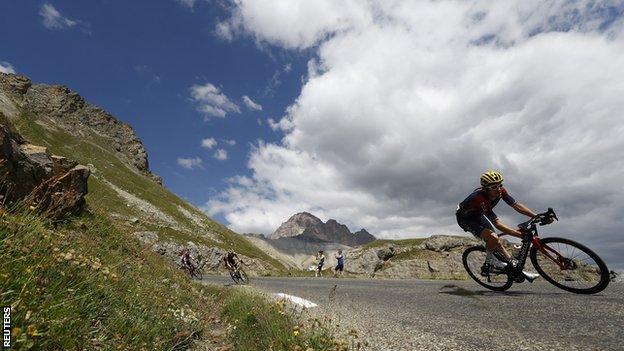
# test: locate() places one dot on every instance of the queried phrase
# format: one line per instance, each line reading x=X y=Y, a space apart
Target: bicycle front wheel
x=473 y=259
x=197 y=274
x=570 y=266
x=234 y=276
x=243 y=276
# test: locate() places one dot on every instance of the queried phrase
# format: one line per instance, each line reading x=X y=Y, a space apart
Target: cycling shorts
x=475 y=224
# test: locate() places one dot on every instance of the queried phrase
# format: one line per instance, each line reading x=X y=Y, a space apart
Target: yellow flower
x=16 y=332
x=295 y=332
x=32 y=208
x=32 y=330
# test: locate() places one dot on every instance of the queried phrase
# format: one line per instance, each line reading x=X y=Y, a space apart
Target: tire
x=584 y=277
x=234 y=276
x=197 y=273
x=473 y=258
x=243 y=276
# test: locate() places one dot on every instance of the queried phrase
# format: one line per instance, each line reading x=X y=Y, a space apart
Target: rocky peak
x=70 y=112
x=308 y=227
x=296 y=225
x=362 y=237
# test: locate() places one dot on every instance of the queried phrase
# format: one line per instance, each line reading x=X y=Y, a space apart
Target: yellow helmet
x=491 y=178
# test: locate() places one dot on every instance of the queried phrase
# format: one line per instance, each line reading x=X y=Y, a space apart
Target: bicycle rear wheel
x=473 y=259
x=571 y=266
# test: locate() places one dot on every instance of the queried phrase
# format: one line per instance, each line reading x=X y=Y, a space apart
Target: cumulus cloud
x=230 y=142
x=190 y=163
x=53 y=19
x=220 y=155
x=6 y=67
x=251 y=104
x=399 y=115
x=211 y=101
x=208 y=143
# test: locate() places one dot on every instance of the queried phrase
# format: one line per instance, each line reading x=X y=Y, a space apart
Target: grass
x=86 y=284
x=402 y=242
x=415 y=253
x=257 y=324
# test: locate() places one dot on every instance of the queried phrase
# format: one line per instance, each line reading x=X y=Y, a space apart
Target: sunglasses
x=495 y=187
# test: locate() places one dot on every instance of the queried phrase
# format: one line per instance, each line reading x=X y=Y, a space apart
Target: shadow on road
x=459 y=291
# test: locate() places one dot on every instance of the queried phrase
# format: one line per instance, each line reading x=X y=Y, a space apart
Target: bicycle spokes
x=569 y=265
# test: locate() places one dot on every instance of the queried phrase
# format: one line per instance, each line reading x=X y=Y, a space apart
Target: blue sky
x=139 y=59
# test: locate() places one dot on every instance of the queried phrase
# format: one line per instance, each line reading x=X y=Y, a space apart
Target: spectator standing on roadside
x=340 y=263
x=321 y=261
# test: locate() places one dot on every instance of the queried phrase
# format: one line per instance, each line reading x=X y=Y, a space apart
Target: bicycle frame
x=531 y=237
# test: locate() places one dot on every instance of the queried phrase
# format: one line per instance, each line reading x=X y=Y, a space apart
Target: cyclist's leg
x=493 y=243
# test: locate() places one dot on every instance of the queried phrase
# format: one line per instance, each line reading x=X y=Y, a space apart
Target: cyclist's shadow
x=459 y=291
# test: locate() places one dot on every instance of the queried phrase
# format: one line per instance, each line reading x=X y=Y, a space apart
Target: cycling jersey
x=231 y=259
x=475 y=214
x=478 y=203
x=186 y=260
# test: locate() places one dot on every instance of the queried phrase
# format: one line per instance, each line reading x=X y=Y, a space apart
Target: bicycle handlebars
x=540 y=218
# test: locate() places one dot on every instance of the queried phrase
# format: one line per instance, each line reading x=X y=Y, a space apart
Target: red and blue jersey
x=478 y=204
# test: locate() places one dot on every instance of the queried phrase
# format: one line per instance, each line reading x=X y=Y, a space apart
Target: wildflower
x=28 y=314
x=68 y=256
x=295 y=332
x=32 y=331
x=31 y=207
x=16 y=332
x=96 y=265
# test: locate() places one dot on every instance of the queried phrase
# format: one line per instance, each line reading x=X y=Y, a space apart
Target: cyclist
x=231 y=259
x=475 y=215
x=186 y=260
x=340 y=263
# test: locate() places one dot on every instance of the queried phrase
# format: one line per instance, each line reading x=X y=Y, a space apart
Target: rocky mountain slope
x=435 y=257
x=307 y=227
x=121 y=184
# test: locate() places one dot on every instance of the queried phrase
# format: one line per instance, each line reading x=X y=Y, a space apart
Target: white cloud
x=211 y=101
x=220 y=155
x=230 y=142
x=224 y=31
x=208 y=143
x=6 y=67
x=399 y=115
x=53 y=19
x=251 y=104
x=188 y=3
x=190 y=163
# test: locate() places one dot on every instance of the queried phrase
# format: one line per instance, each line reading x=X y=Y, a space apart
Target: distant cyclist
x=339 y=263
x=186 y=261
x=321 y=261
x=475 y=215
x=231 y=259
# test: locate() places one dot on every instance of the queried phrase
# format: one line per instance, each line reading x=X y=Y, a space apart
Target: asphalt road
x=459 y=315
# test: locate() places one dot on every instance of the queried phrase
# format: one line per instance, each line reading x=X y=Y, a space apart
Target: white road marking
x=297 y=300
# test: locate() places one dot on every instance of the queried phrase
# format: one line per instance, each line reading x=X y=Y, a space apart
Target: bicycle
x=562 y=262
x=238 y=274
x=196 y=272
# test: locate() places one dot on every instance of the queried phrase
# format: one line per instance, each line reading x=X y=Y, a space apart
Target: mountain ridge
x=307 y=227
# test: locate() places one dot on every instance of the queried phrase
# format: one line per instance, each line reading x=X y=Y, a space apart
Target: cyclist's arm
x=521 y=208
x=507 y=230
